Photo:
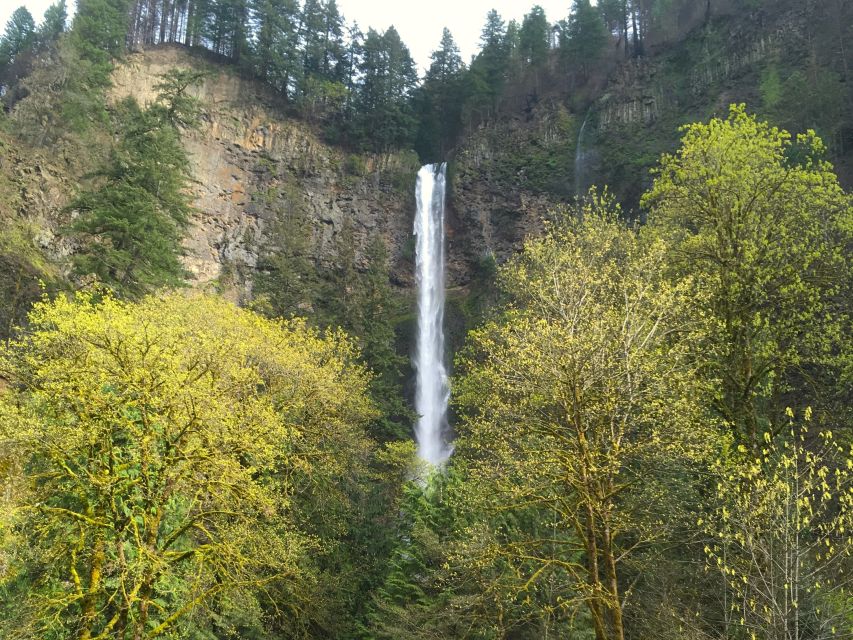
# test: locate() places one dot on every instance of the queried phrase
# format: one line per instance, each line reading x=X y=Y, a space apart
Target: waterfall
x=433 y=391
x=579 y=157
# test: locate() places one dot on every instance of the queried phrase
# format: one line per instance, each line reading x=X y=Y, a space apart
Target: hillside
x=604 y=391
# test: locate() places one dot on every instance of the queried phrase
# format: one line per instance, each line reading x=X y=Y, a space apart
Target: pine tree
x=323 y=91
x=17 y=40
x=276 y=45
x=439 y=101
x=323 y=39
x=582 y=43
x=615 y=16
x=385 y=119
x=489 y=68
x=99 y=30
x=379 y=308
x=131 y=225
x=533 y=37
x=53 y=24
x=19 y=35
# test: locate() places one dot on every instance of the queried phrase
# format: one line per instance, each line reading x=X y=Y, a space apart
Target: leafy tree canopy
x=159 y=443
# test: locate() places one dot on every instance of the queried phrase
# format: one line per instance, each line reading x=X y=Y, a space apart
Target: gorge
x=298 y=343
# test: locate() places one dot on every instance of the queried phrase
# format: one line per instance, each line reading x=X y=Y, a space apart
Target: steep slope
x=252 y=164
x=787 y=61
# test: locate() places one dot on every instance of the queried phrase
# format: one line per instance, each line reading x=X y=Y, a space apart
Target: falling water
x=580 y=157
x=433 y=390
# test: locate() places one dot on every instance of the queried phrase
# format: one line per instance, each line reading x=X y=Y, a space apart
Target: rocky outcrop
x=252 y=163
x=633 y=97
x=507 y=176
x=34 y=192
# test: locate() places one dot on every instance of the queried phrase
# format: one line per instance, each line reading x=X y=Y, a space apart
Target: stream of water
x=433 y=390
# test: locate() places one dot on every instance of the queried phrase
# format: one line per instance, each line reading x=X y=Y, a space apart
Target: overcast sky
x=419 y=23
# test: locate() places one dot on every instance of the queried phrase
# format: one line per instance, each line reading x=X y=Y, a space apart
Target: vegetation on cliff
x=653 y=422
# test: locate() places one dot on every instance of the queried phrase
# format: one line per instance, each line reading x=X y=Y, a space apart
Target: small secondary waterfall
x=580 y=157
x=433 y=390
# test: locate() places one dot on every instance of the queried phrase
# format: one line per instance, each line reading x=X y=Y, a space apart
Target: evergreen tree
x=488 y=72
x=334 y=49
x=323 y=40
x=515 y=60
x=312 y=37
x=385 y=120
x=19 y=35
x=446 y=61
x=324 y=90
x=99 y=31
x=350 y=64
x=533 y=37
x=276 y=43
x=53 y=24
x=378 y=310
x=615 y=16
x=18 y=39
x=224 y=27
x=582 y=42
x=132 y=224
x=439 y=101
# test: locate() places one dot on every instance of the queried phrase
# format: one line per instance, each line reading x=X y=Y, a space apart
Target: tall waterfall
x=433 y=390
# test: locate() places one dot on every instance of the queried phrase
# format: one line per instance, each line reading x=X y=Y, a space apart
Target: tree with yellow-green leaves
x=160 y=447
x=580 y=401
x=759 y=222
x=779 y=531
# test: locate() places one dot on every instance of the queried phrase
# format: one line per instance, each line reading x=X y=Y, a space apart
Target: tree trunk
x=613 y=586
x=165 y=12
x=89 y=609
x=188 y=39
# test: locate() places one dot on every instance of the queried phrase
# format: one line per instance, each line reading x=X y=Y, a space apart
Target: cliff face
x=252 y=164
x=34 y=189
x=505 y=178
x=514 y=169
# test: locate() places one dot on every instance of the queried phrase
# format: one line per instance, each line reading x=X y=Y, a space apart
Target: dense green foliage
x=22 y=40
x=626 y=465
x=654 y=433
x=131 y=225
x=168 y=452
x=760 y=221
x=346 y=81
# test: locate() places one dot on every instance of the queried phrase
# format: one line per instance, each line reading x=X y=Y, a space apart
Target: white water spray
x=433 y=390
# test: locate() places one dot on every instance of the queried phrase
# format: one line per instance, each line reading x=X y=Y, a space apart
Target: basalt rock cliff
x=252 y=160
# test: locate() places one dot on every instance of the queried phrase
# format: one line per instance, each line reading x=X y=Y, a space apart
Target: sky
x=419 y=23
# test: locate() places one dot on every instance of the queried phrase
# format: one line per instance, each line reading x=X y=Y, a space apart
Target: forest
x=652 y=396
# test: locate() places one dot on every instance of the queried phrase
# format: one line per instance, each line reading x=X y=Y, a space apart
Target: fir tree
x=132 y=223
x=582 y=42
x=533 y=37
x=439 y=101
x=19 y=35
x=53 y=24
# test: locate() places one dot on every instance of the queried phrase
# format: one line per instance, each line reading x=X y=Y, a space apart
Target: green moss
x=355 y=165
x=536 y=156
x=25 y=274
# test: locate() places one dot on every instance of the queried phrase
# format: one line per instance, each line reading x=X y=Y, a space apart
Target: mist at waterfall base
x=432 y=390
